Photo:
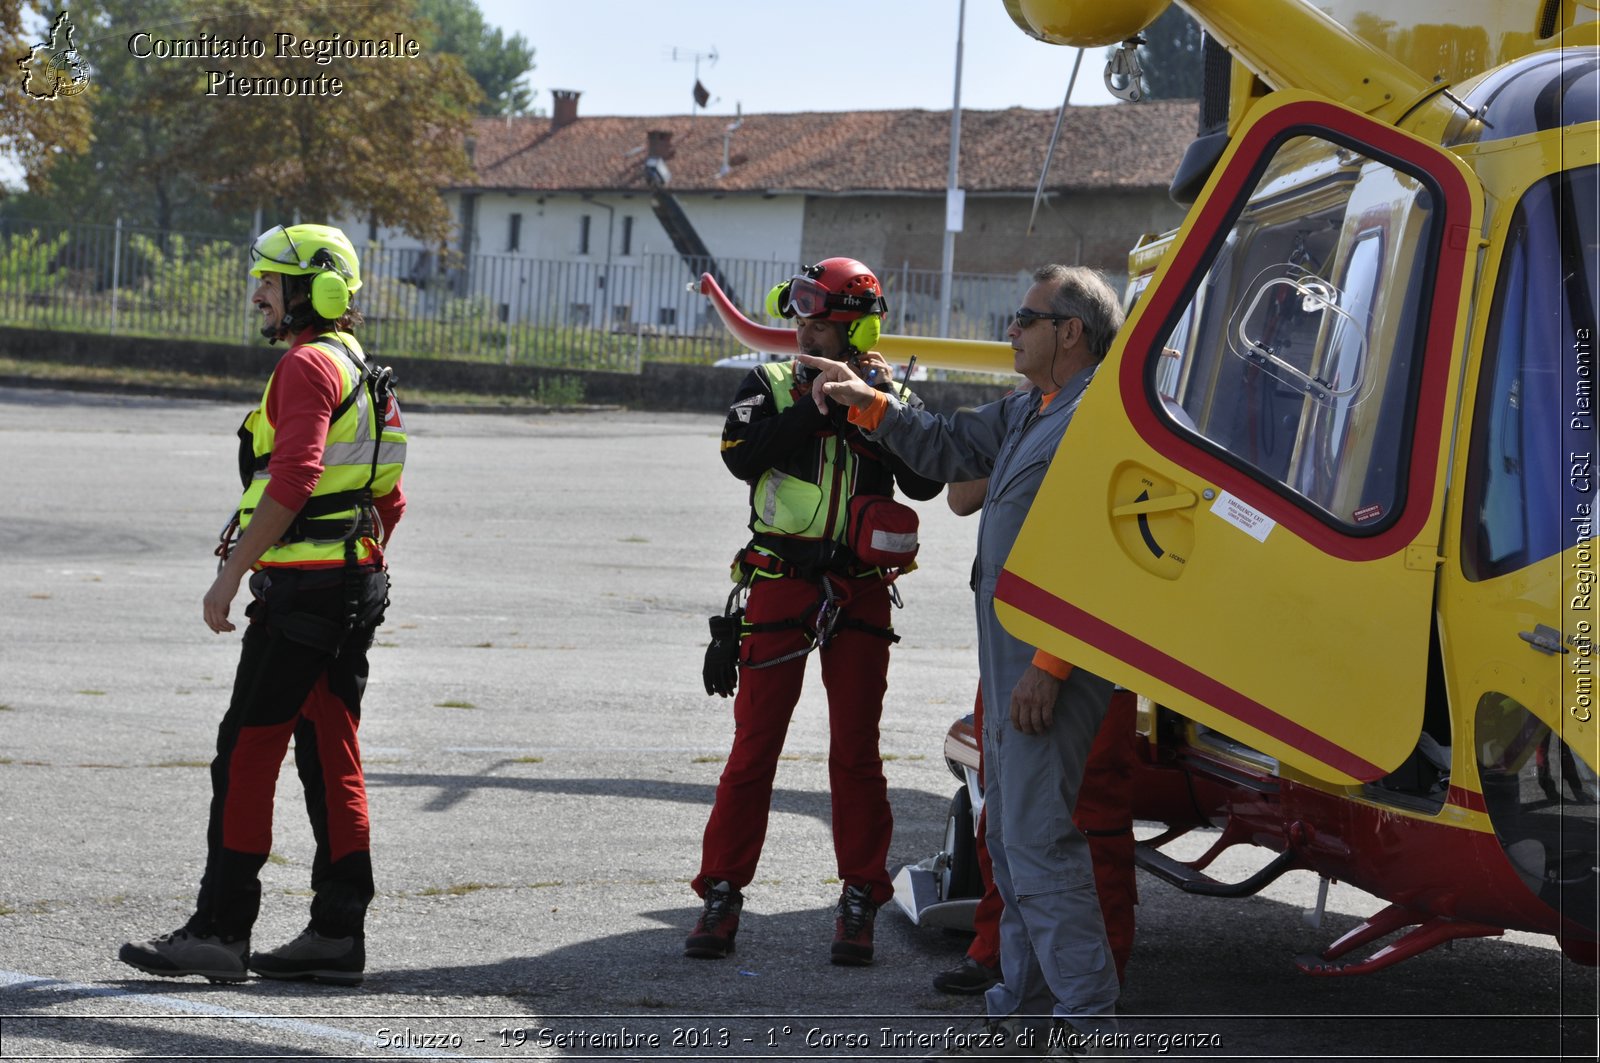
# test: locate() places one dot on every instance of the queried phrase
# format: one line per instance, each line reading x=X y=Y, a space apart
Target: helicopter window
x=1530 y=485
x=1541 y=799
x=1295 y=357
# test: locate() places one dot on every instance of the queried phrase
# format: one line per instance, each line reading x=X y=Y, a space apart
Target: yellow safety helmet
x=321 y=251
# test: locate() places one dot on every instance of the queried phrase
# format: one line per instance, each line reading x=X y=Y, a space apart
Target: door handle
x=1145 y=504
x=1543 y=638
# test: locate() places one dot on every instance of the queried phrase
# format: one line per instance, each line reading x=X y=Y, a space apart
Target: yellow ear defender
x=778 y=300
x=330 y=292
x=863 y=332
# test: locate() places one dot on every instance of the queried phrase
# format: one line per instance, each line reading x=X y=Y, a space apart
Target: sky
x=793 y=55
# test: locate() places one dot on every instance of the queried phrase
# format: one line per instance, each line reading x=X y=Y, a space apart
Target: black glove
x=721 y=672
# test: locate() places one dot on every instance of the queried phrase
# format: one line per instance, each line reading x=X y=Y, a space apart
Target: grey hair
x=1083 y=293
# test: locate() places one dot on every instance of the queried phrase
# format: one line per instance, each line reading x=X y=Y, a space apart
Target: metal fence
x=504 y=308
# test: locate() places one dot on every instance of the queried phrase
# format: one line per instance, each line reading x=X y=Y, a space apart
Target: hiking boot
x=713 y=935
x=852 y=927
x=968 y=978
x=185 y=952
x=315 y=958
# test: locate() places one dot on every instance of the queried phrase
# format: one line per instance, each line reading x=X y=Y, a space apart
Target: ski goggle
x=807 y=298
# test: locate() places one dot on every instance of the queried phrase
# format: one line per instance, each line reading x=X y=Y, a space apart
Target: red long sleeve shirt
x=305 y=388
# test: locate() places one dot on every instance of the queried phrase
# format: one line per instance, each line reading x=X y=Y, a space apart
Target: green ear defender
x=863 y=332
x=778 y=300
x=330 y=295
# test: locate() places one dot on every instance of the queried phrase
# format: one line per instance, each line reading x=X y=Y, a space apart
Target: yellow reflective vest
x=808 y=503
x=362 y=457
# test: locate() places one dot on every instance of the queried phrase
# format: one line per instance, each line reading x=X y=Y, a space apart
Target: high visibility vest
x=813 y=505
x=362 y=457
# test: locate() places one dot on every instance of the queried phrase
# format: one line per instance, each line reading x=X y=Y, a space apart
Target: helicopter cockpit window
x=1296 y=356
x=1531 y=488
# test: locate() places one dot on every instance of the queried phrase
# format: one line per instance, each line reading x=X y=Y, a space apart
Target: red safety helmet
x=835 y=289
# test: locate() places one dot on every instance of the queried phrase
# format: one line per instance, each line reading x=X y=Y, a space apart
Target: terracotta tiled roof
x=1125 y=146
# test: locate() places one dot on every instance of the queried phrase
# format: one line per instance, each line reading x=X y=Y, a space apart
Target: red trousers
x=855 y=670
x=1104 y=815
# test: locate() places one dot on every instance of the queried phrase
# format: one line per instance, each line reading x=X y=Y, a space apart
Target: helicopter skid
x=1425 y=933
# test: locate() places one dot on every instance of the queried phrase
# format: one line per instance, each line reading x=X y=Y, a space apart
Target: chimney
x=565 y=111
x=658 y=144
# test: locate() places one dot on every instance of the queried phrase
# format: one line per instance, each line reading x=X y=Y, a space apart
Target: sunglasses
x=1025 y=317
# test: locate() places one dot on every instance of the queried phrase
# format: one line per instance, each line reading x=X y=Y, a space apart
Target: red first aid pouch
x=882 y=531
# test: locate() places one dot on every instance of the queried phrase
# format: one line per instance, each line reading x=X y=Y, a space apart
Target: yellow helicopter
x=1329 y=506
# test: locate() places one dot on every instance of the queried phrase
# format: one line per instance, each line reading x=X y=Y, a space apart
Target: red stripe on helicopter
x=1041 y=604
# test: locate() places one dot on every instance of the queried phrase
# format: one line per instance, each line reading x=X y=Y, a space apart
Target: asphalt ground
x=541 y=759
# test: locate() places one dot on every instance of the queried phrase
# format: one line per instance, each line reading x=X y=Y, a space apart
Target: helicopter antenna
x=1049 y=153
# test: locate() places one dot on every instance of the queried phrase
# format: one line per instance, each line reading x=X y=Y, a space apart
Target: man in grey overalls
x=1053 y=952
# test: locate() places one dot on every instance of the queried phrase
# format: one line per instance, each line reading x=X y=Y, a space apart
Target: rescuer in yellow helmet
x=320 y=460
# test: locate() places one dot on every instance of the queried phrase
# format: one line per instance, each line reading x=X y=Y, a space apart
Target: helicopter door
x=1243 y=523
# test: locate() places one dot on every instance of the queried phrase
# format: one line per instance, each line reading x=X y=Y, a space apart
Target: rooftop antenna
x=684 y=55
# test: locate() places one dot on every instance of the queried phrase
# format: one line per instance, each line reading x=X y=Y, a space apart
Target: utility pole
x=954 y=196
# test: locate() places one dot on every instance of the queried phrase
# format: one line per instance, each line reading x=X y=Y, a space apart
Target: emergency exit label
x=1243 y=516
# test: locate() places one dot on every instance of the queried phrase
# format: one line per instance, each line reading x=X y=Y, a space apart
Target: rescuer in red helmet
x=827 y=540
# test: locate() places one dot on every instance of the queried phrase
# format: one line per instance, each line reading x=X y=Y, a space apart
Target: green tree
x=1172 y=58
x=44 y=119
x=497 y=63
x=203 y=143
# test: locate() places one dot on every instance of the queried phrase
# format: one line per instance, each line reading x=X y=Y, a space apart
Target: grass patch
x=708 y=759
x=483 y=645
x=544 y=885
x=562 y=390
x=633 y=539
x=42 y=597
x=454 y=705
x=93 y=693
x=460 y=889
x=527 y=760
x=6 y=909
x=274 y=858
x=8 y=708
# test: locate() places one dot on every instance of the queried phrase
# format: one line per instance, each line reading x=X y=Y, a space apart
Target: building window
x=667 y=315
x=583 y=235
x=627 y=234
x=578 y=313
x=621 y=314
x=514 y=235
